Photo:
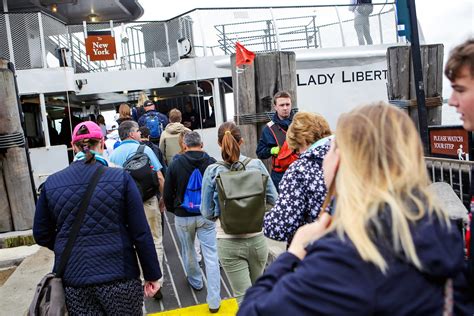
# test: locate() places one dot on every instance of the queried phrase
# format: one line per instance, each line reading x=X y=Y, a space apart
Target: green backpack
x=242 y=198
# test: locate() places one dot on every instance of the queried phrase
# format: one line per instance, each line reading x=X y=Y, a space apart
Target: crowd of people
x=365 y=235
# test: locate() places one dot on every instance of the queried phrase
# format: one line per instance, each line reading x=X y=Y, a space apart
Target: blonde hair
x=124 y=111
x=175 y=116
x=141 y=99
x=305 y=129
x=381 y=170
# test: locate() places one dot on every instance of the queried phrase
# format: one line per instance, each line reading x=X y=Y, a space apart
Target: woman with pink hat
x=101 y=274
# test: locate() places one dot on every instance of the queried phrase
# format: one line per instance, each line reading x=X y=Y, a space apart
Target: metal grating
x=55 y=37
x=4 y=52
x=26 y=40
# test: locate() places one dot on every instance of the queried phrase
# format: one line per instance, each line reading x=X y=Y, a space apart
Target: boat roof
x=76 y=11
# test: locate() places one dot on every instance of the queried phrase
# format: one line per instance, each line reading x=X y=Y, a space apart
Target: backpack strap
x=278 y=133
x=246 y=161
x=223 y=163
x=81 y=213
x=141 y=149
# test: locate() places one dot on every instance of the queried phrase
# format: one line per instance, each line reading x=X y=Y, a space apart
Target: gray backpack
x=242 y=198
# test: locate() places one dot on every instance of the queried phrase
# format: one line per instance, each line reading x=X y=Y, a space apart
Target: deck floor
x=177 y=293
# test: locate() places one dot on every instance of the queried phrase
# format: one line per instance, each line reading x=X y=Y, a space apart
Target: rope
x=12 y=140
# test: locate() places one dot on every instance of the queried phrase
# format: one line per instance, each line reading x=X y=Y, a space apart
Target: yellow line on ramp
x=228 y=308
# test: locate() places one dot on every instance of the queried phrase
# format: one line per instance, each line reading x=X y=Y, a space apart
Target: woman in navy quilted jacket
x=302 y=188
x=102 y=274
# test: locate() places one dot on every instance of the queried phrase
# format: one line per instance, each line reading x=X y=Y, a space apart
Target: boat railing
x=457 y=173
x=38 y=40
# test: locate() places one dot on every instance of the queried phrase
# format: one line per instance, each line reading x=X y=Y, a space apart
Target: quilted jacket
x=114 y=225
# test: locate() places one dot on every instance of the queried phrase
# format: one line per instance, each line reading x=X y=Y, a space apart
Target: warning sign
x=450 y=142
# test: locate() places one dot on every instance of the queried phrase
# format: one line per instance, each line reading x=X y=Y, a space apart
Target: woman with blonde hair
x=243 y=256
x=301 y=196
x=139 y=110
x=389 y=249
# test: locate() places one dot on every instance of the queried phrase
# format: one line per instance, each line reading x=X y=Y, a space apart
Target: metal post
x=224 y=39
x=44 y=120
x=340 y=28
x=380 y=29
x=204 y=45
x=277 y=33
x=216 y=93
x=167 y=43
x=9 y=32
x=319 y=35
x=43 y=48
x=84 y=26
x=417 y=70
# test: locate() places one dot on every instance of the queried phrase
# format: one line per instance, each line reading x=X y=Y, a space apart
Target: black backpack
x=364 y=1
x=139 y=167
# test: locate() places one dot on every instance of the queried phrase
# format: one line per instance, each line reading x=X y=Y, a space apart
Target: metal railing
x=457 y=173
x=212 y=31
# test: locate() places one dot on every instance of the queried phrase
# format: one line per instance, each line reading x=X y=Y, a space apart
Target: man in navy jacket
x=268 y=146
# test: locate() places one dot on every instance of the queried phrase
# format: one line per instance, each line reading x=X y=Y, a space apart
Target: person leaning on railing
x=388 y=249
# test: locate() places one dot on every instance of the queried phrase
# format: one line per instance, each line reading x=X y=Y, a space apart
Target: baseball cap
x=148 y=103
x=111 y=126
x=86 y=130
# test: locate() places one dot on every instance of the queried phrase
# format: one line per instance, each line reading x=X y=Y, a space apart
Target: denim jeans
x=243 y=260
x=187 y=228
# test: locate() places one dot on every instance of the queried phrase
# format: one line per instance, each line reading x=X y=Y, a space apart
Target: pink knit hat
x=86 y=130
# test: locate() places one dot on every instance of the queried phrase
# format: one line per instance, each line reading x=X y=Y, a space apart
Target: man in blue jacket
x=154 y=120
x=274 y=134
x=130 y=135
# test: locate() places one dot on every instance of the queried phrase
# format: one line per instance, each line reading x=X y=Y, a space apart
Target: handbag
x=49 y=298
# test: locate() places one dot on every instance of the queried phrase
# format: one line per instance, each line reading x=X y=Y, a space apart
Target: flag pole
x=237 y=72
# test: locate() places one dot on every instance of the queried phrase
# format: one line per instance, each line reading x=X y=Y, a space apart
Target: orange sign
x=452 y=142
x=100 y=47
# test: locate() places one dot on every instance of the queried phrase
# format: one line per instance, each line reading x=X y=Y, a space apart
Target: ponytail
x=229 y=139
x=85 y=145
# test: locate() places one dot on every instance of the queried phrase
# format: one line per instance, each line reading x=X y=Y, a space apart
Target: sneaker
x=195 y=288
x=214 y=310
x=158 y=296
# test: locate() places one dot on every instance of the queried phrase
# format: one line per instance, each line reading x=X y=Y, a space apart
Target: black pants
x=115 y=298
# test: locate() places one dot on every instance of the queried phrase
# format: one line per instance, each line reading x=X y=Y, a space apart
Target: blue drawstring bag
x=192 y=195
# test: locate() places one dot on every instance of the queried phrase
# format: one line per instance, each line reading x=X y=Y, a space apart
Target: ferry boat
x=183 y=59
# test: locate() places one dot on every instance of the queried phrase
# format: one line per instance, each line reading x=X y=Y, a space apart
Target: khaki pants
x=153 y=216
x=243 y=260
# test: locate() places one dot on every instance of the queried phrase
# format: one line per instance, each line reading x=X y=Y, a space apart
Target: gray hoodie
x=169 y=141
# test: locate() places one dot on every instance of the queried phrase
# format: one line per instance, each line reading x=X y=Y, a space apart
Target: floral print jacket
x=302 y=192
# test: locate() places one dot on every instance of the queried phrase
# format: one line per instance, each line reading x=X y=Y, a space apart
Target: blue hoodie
x=334 y=280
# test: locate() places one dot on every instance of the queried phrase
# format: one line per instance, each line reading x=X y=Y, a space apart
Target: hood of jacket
x=175 y=128
x=316 y=152
x=283 y=123
x=191 y=160
x=439 y=247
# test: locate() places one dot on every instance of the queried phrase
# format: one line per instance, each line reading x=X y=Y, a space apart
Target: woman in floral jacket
x=302 y=189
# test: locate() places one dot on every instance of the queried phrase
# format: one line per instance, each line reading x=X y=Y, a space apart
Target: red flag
x=242 y=55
